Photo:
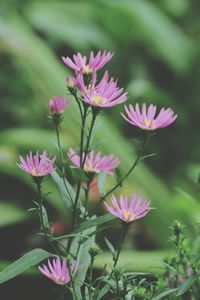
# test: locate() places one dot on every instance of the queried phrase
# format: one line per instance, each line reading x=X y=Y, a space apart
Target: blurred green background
x=157 y=54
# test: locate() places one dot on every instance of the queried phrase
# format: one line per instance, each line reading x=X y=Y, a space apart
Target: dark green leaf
x=25 y=262
x=78 y=174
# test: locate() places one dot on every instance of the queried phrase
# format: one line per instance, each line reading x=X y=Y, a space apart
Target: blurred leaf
x=11 y=214
x=186 y=285
x=19 y=266
x=163 y=37
x=101 y=183
x=74 y=23
x=111 y=248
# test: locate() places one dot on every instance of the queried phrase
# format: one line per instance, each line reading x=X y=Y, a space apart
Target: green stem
x=62 y=161
x=141 y=151
x=124 y=233
x=40 y=203
x=90 y=278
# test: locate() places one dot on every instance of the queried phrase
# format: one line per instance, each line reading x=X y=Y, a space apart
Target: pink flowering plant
x=69 y=261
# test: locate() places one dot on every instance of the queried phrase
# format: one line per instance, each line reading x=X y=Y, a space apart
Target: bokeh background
x=157 y=54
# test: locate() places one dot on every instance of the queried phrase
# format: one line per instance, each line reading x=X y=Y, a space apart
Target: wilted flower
x=37 y=165
x=58 y=271
x=128 y=212
x=146 y=119
x=79 y=64
x=95 y=163
x=58 y=104
x=105 y=94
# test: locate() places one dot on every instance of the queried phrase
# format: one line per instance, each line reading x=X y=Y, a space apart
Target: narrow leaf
x=95 y=222
x=66 y=190
x=119 y=176
x=78 y=174
x=102 y=183
x=164 y=294
x=30 y=259
x=186 y=285
x=110 y=246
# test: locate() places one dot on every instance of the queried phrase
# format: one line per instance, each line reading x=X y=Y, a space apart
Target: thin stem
x=62 y=160
x=124 y=233
x=90 y=278
x=40 y=203
x=141 y=151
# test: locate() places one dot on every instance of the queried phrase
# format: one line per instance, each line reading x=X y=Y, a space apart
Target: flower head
x=79 y=62
x=95 y=163
x=58 y=271
x=128 y=212
x=146 y=119
x=37 y=165
x=104 y=94
x=58 y=105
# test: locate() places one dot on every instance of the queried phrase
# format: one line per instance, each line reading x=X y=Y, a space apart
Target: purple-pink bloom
x=95 y=163
x=128 y=212
x=58 y=104
x=146 y=119
x=37 y=165
x=58 y=271
x=104 y=94
x=79 y=62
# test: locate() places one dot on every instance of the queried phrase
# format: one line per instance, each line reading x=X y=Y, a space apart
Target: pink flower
x=71 y=82
x=58 y=271
x=146 y=119
x=37 y=165
x=79 y=64
x=128 y=212
x=95 y=163
x=58 y=105
x=105 y=94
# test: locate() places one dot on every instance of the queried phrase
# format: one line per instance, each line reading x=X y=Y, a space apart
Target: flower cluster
x=92 y=95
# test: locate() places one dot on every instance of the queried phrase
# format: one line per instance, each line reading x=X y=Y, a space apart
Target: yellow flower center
x=126 y=215
x=33 y=171
x=147 y=122
x=87 y=70
x=98 y=99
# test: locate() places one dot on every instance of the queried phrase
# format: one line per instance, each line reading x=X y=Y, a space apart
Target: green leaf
x=78 y=174
x=102 y=183
x=147 y=156
x=45 y=218
x=110 y=246
x=164 y=294
x=186 y=285
x=25 y=262
x=10 y=214
x=66 y=190
x=95 y=222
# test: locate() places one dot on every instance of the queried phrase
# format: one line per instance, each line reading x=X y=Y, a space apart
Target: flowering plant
x=71 y=257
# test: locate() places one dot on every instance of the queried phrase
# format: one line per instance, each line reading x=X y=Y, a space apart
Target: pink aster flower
x=146 y=119
x=58 y=271
x=58 y=104
x=128 y=212
x=95 y=163
x=37 y=165
x=79 y=62
x=105 y=94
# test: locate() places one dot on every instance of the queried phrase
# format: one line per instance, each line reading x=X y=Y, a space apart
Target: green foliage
x=30 y=259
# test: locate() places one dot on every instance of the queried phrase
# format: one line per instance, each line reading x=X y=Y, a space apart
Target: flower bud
x=94 y=250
